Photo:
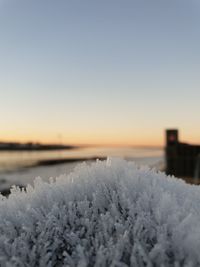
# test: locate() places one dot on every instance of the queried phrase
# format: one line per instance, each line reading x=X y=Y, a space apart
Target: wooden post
x=171 y=151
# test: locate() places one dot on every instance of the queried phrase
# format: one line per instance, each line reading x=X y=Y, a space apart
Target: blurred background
x=81 y=80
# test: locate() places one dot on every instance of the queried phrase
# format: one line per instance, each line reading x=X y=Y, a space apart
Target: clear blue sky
x=99 y=72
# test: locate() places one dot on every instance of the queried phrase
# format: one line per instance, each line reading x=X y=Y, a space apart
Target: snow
x=109 y=213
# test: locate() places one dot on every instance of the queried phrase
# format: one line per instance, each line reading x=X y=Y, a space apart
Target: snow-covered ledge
x=110 y=213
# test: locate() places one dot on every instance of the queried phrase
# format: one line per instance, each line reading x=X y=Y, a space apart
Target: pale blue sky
x=99 y=71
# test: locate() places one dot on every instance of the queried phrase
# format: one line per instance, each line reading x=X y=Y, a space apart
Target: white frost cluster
x=110 y=213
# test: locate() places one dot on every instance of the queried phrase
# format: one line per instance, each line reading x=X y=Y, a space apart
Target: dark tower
x=171 y=151
x=171 y=137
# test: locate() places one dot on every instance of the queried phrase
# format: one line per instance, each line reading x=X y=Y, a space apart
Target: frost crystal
x=111 y=213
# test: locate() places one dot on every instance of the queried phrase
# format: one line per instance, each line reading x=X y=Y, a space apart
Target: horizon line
x=83 y=145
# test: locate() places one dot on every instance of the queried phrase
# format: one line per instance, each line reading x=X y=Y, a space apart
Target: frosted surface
x=110 y=213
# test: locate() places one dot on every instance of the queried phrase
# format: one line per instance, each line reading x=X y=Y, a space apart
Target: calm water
x=12 y=171
x=10 y=161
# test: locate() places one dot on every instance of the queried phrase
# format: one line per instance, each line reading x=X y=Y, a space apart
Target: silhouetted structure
x=182 y=160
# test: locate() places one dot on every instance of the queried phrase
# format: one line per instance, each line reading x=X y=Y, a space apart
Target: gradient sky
x=99 y=71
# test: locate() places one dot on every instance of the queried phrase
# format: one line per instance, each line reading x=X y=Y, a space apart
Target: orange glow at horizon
x=99 y=139
x=87 y=138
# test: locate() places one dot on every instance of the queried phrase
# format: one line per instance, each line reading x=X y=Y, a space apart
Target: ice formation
x=111 y=213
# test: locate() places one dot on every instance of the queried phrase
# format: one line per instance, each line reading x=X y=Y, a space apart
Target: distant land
x=15 y=146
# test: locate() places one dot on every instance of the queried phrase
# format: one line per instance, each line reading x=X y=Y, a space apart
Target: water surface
x=20 y=168
x=12 y=160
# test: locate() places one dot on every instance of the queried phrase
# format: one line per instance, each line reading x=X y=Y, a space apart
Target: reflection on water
x=15 y=159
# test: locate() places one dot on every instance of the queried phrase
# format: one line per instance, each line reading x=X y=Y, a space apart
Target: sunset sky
x=108 y=72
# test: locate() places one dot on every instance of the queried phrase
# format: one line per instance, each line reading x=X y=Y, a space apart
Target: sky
x=109 y=72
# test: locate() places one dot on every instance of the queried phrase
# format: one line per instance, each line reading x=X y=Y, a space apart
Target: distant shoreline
x=33 y=147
